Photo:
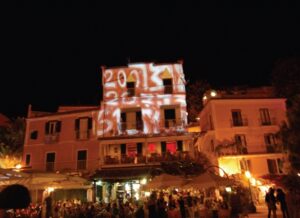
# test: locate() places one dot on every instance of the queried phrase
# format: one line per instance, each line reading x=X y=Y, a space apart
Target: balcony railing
x=130 y=92
x=141 y=159
x=274 y=148
x=81 y=164
x=168 y=89
x=138 y=125
x=169 y=123
x=82 y=134
x=50 y=166
x=52 y=138
x=239 y=122
x=269 y=122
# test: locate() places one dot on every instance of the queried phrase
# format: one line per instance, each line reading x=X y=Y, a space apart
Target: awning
x=125 y=173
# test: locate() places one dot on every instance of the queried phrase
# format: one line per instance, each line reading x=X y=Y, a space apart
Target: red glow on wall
x=171 y=147
x=151 y=148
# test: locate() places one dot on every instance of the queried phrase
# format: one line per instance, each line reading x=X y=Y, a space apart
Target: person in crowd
x=181 y=207
x=48 y=202
x=152 y=206
x=271 y=202
x=189 y=201
x=280 y=197
x=14 y=196
x=161 y=206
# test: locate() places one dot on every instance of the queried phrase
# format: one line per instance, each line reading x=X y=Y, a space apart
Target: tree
x=286 y=83
x=195 y=91
x=12 y=137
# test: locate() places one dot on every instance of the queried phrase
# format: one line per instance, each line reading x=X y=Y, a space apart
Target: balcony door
x=237 y=117
x=50 y=160
x=170 y=117
x=81 y=159
x=131 y=120
x=82 y=127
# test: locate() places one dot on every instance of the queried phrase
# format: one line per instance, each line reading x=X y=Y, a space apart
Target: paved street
x=262 y=212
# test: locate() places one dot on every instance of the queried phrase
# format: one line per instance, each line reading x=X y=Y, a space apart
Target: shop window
x=171 y=147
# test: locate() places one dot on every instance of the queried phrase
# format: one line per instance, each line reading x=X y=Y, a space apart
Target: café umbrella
x=207 y=180
x=164 y=181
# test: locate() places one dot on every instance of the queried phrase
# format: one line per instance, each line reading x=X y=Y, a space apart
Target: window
x=168 y=86
x=139 y=148
x=27 y=160
x=52 y=127
x=245 y=165
x=83 y=126
x=170 y=117
x=131 y=120
x=237 y=117
x=241 y=144
x=34 y=135
x=270 y=141
x=163 y=147
x=272 y=166
x=50 y=160
x=265 y=116
x=280 y=165
x=171 y=147
x=130 y=89
x=179 y=146
x=151 y=147
x=81 y=159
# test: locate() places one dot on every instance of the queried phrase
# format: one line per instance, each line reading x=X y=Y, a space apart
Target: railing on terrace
x=83 y=134
x=81 y=164
x=270 y=122
x=51 y=138
x=50 y=166
x=239 y=122
x=152 y=158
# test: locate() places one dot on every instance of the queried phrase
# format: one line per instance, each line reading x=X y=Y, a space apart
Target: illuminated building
x=140 y=122
x=239 y=130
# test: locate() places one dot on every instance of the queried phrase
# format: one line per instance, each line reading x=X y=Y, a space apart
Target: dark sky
x=52 y=52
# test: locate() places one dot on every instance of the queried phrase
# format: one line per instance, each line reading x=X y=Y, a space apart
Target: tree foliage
x=12 y=137
x=286 y=83
x=195 y=91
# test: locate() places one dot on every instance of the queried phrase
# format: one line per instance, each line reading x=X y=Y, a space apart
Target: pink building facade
x=240 y=131
x=140 y=121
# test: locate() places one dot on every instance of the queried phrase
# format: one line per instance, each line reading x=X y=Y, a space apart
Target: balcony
x=169 y=123
x=130 y=92
x=270 y=122
x=153 y=158
x=239 y=122
x=50 y=166
x=274 y=148
x=138 y=125
x=168 y=89
x=81 y=164
x=82 y=134
x=51 y=138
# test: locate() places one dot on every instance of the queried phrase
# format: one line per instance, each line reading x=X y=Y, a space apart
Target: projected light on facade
x=142 y=97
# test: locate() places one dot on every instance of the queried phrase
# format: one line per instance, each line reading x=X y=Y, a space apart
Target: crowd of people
x=289 y=203
x=156 y=205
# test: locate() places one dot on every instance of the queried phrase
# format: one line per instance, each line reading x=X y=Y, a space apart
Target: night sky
x=52 y=52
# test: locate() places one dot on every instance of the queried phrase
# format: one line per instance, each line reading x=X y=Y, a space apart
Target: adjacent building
x=239 y=129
